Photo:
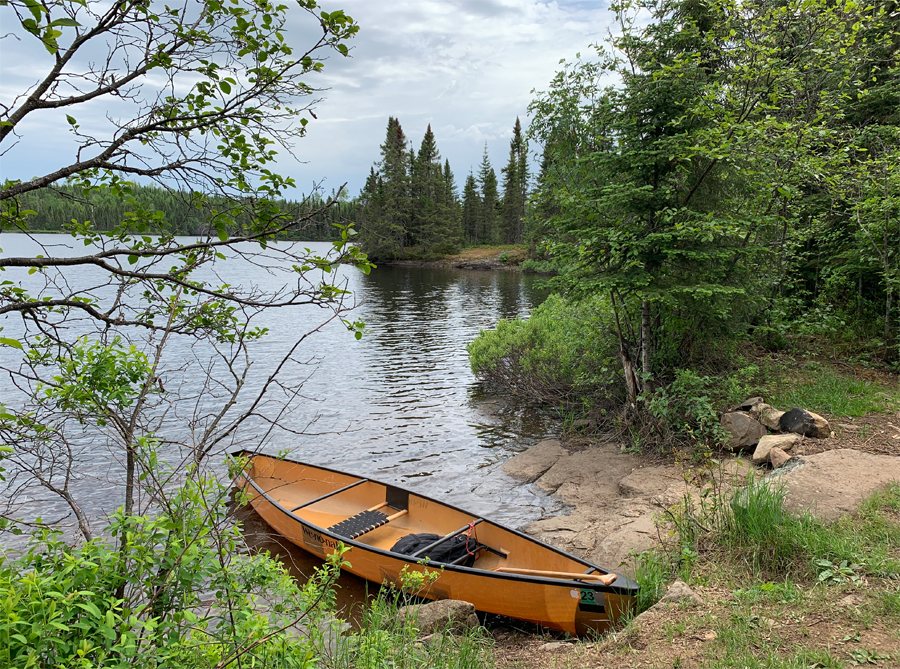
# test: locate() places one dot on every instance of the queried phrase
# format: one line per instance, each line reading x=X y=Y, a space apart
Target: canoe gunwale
x=621 y=586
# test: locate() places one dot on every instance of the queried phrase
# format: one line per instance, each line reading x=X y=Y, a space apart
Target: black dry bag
x=448 y=551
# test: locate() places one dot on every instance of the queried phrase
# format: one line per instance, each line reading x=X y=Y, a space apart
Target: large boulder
x=533 y=463
x=783 y=441
x=833 y=483
x=807 y=423
x=745 y=431
x=449 y=614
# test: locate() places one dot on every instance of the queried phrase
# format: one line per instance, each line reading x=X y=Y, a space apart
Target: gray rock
x=679 y=592
x=778 y=458
x=833 y=483
x=555 y=645
x=745 y=431
x=534 y=462
x=750 y=404
x=769 y=416
x=807 y=423
x=444 y=614
x=783 y=441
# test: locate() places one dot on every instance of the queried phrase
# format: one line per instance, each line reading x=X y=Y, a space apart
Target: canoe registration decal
x=593 y=602
x=317 y=540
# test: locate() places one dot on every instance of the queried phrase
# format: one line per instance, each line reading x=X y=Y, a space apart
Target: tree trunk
x=632 y=383
x=889 y=293
x=646 y=345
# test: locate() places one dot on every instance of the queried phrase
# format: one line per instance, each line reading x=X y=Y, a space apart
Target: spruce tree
x=385 y=216
x=515 y=188
x=451 y=207
x=434 y=226
x=471 y=210
x=487 y=220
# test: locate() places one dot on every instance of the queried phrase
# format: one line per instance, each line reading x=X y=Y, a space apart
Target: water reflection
x=400 y=405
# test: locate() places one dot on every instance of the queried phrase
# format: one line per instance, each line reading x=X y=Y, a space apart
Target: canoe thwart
x=605 y=579
x=446 y=537
x=327 y=495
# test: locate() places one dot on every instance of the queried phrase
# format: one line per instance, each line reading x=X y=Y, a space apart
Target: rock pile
x=750 y=423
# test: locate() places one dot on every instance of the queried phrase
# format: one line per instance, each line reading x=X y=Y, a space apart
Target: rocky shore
x=618 y=500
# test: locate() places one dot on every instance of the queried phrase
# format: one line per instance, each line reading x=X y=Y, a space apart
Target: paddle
x=605 y=579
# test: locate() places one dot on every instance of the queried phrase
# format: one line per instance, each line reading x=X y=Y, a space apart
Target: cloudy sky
x=467 y=67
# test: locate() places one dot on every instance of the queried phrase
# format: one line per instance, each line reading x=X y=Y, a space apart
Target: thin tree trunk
x=646 y=344
x=632 y=385
x=889 y=293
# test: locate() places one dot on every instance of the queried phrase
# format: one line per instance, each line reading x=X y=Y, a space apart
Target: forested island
x=176 y=211
x=410 y=207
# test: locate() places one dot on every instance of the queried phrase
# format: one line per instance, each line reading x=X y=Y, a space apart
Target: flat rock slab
x=833 y=483
x=648 y=481
x=531 y=464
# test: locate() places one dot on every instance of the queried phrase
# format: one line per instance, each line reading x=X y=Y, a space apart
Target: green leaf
x=66 y=22
x=71 y=120
x=15 y=343
x=225 y=87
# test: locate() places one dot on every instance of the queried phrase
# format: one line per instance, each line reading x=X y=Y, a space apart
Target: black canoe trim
x=621 y=586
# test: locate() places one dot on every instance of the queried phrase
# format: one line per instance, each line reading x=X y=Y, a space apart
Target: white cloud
x=467 y=67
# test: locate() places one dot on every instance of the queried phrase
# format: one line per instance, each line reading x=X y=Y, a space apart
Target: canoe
x=513 y=574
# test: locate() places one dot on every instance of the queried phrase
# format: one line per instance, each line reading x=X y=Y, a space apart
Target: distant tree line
x=410 y=206
x=175 y=211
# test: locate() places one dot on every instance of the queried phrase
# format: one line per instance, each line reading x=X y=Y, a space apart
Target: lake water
x=400 y=405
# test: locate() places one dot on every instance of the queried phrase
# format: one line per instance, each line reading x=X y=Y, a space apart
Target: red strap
x=469 y=534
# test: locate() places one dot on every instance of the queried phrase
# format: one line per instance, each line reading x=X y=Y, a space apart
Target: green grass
x=805 y=658
x=820 y=388
x=754 y=526
x=653 y=570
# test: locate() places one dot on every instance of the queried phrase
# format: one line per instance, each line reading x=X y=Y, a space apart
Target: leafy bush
x=171 y=591
x=543 y=266
x=686 y=411
x=563 y=353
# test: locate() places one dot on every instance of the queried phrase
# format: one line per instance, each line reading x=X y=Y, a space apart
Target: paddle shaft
x=605 y=579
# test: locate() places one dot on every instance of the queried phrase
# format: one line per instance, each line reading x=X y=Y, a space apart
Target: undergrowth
x=750 y=528
x=387 y=638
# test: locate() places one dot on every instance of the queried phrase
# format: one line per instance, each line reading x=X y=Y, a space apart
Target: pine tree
x=471 y=210
x=487 y=220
